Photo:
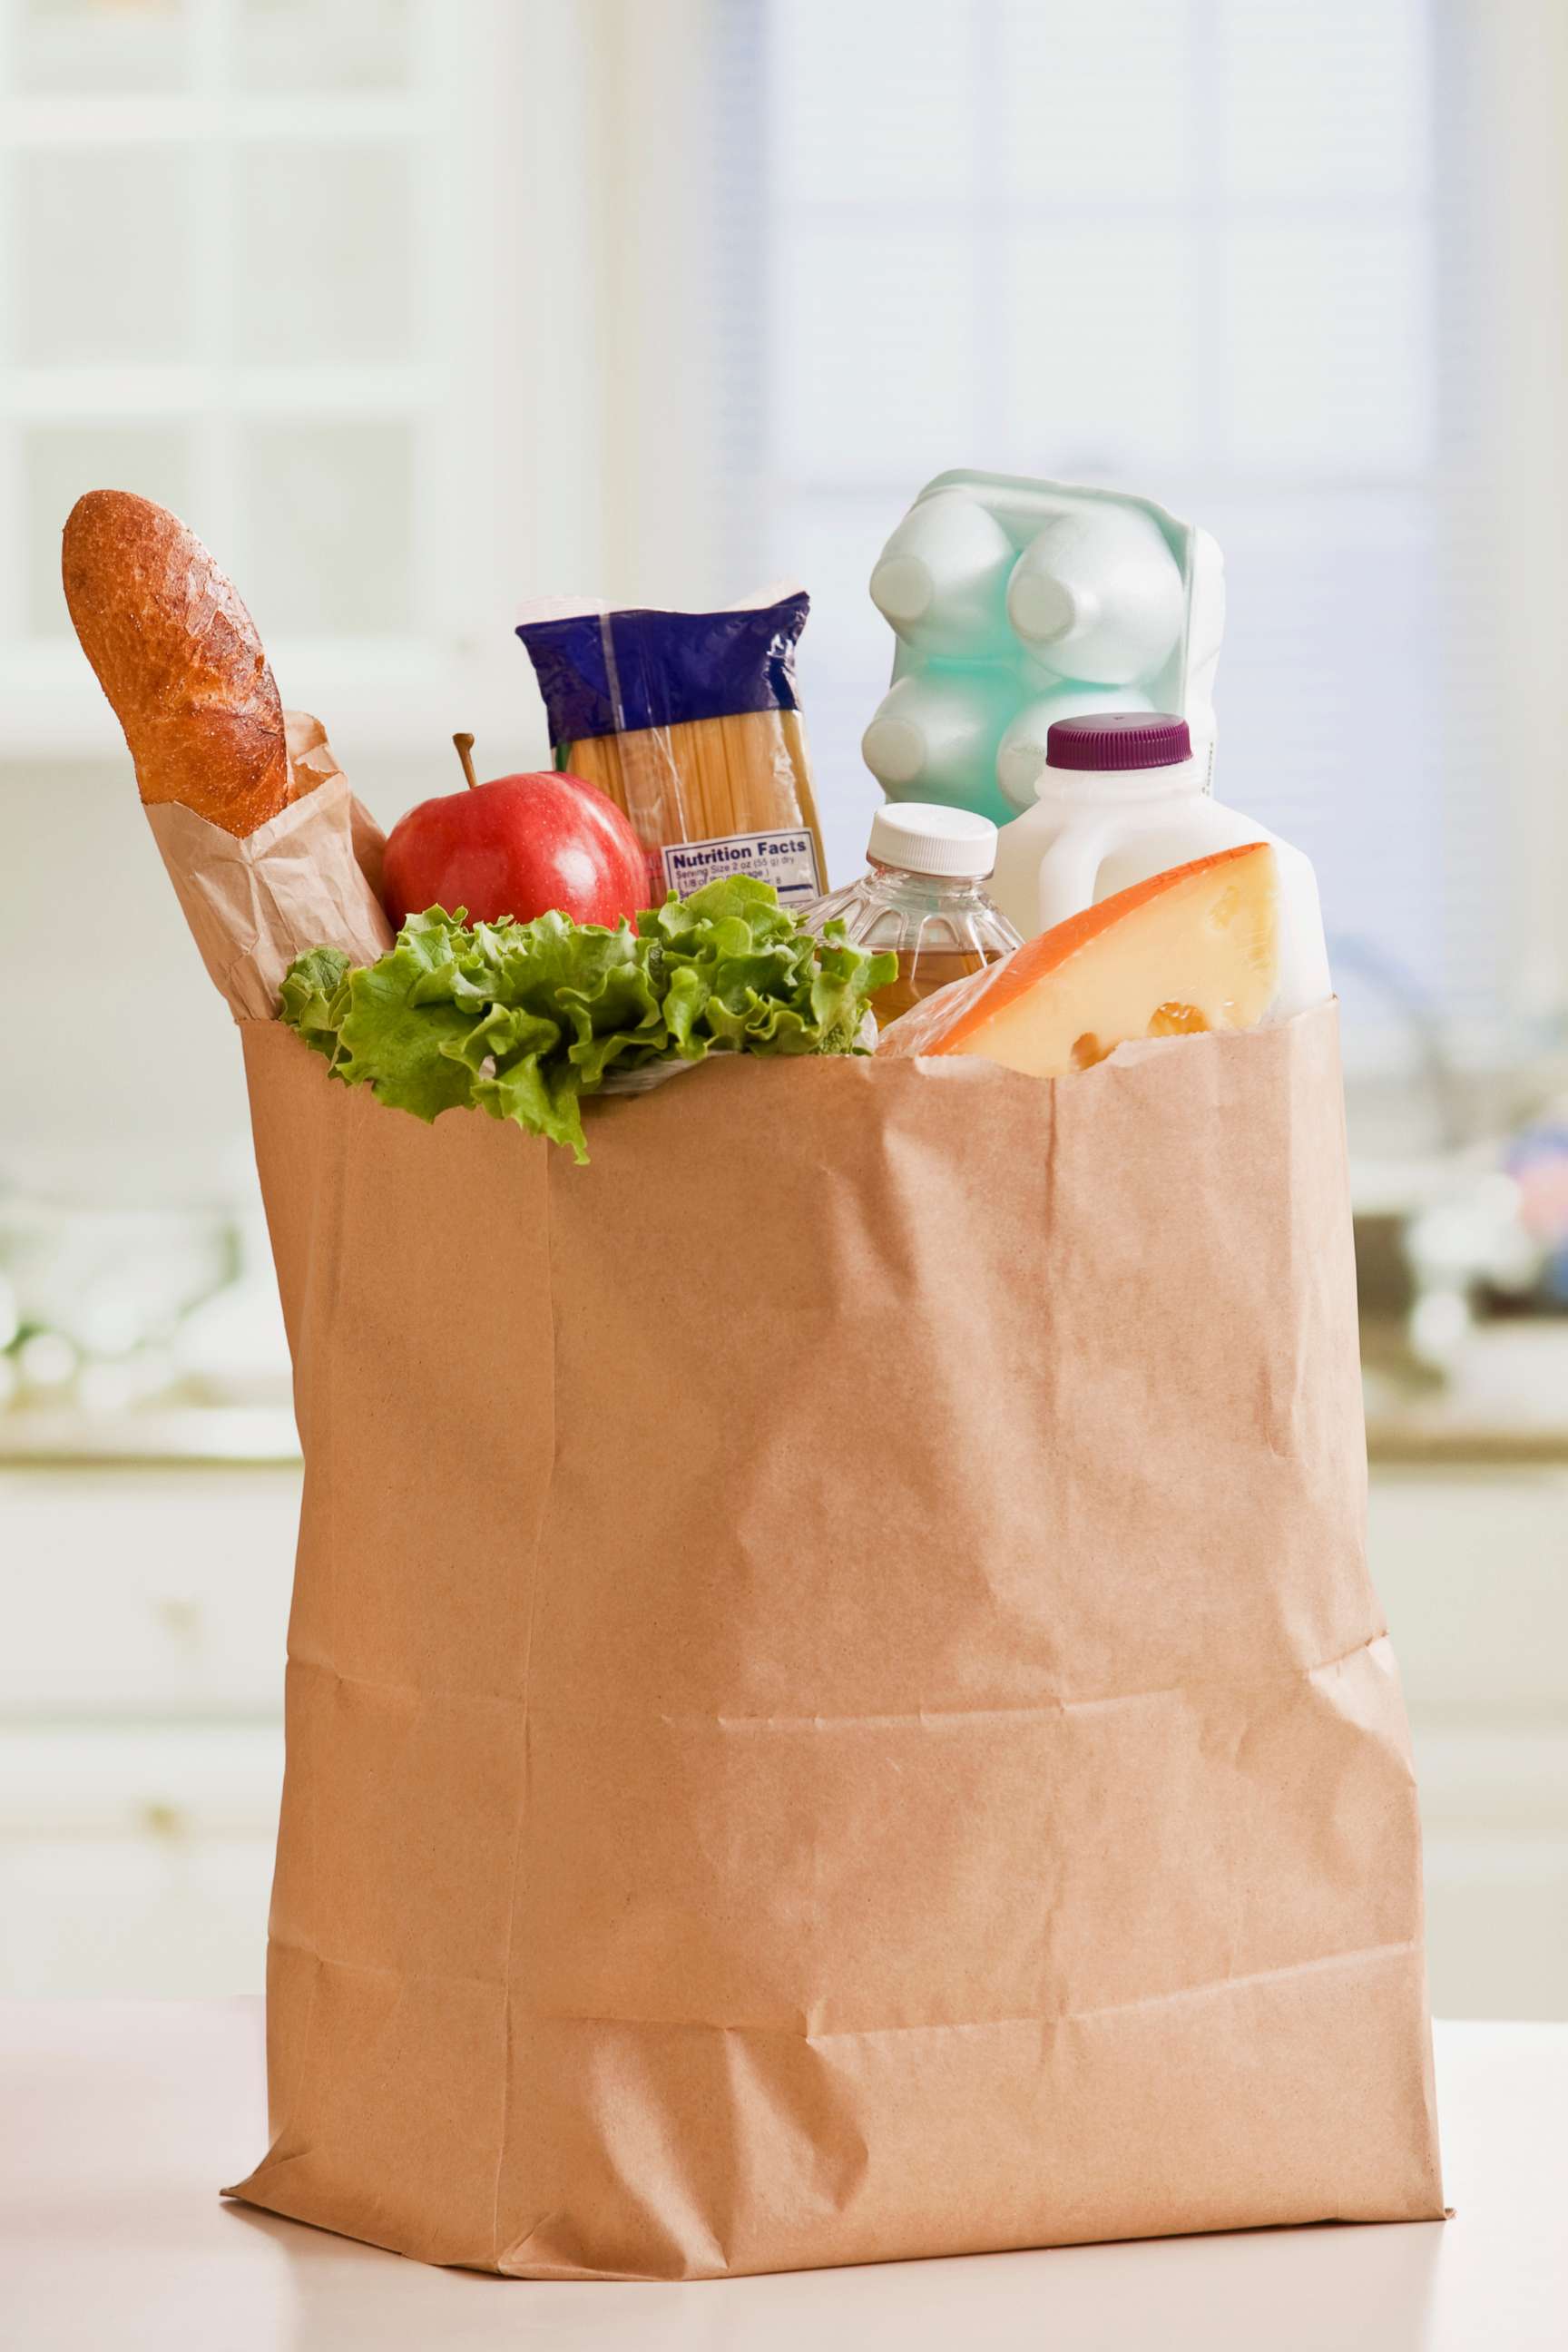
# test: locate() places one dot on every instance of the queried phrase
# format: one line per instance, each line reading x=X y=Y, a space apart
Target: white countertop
x=118 y=2119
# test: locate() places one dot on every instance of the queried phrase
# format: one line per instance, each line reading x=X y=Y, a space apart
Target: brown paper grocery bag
x=309 y=877
x=835 y=1710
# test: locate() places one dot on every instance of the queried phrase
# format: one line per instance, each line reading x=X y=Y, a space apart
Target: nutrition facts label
x=787 y=860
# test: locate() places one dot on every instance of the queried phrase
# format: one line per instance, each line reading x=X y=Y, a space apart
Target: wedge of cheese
x=1191 y=948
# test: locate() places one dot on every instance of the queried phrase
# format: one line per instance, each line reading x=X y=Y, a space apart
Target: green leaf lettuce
x=522 y=1019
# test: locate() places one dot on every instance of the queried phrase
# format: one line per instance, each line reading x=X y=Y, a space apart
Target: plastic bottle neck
x=886 y=880
x=1104 y=787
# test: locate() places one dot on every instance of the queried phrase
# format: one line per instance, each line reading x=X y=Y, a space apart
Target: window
x=1227 y=273
x=417 y=310
x=255 y=267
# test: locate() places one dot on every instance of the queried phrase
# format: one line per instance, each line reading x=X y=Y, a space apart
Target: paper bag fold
x=307 y=878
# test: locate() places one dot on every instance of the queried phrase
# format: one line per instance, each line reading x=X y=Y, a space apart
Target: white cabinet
x=140 y=1724
x=146 y=1593
x=136 y=1862
x=1471 y=1565
x=1472 y=1569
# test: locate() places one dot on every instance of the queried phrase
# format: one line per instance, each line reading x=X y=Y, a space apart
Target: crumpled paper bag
x=835 y=1707
x=307 y=878
x=835 y=1710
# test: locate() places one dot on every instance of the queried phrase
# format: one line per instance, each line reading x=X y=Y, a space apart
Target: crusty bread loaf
x=178 y=656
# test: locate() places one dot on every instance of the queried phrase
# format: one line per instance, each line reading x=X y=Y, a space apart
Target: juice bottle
x=923 y=897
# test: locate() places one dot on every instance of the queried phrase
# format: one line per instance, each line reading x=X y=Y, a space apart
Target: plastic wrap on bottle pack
x=1016 y=602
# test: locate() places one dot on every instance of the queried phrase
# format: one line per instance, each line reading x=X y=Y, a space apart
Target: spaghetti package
x=690 y=722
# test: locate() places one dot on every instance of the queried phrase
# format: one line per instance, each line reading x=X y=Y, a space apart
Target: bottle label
x=787 y=860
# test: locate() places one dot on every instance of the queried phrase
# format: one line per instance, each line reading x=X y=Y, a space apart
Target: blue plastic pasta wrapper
x=617 y=673
x=691 y=723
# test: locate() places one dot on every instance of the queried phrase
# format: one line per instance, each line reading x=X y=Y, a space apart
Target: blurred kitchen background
x=416 y=310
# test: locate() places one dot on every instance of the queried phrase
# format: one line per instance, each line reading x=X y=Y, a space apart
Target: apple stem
x=465 y=744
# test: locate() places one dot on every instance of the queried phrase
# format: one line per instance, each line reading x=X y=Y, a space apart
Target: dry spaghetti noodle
x=690 y=722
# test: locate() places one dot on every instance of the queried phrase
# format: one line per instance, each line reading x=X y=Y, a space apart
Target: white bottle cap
x=895 y=751
x=925 y=839
x=1042 y=609
x=902 y=589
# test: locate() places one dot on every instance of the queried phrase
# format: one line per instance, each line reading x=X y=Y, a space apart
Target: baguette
x=179 y=657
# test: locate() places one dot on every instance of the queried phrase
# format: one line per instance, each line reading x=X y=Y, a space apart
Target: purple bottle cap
x=1119 y=739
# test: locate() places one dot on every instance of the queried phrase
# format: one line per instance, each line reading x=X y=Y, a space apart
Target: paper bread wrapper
x=306 y=879
x=835 y=1710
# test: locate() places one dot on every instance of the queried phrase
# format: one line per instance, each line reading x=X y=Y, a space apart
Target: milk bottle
x=942 y=579
x=1098 y=596
x=1014 y=602
x=1121 y=797
x=935 y=732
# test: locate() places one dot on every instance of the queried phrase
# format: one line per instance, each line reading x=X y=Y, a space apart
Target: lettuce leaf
x=522 y=1019
x=311 y=987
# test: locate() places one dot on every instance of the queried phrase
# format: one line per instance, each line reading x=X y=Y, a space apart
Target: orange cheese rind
x=1194 y=948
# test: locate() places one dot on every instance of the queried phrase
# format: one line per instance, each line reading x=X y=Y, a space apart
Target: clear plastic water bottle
x=923 y=897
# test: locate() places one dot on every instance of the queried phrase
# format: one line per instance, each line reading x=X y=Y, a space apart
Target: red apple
x=517 y=846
